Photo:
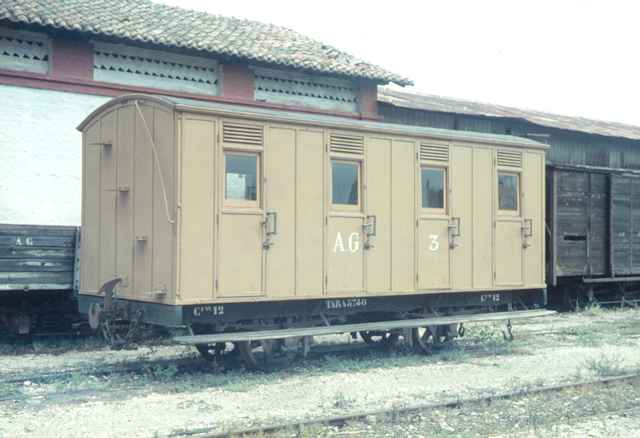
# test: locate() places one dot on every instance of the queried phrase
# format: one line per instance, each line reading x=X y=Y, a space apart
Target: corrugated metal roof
x=248 y=112
x=430 y=102
x=148 y=22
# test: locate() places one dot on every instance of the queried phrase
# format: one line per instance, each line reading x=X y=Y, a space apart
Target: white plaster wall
x=40 y=155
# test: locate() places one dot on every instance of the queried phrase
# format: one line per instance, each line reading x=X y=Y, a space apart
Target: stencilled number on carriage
x=435 y=243
x=489 y=298
x=208 y=310
x=352 y=244
x=346 y=303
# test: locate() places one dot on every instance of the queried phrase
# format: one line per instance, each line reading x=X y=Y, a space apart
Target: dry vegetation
x=175 y=391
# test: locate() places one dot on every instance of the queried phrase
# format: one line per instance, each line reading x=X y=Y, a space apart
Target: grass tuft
x=607 y=366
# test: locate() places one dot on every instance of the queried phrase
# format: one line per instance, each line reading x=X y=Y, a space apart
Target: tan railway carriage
x=212 y=214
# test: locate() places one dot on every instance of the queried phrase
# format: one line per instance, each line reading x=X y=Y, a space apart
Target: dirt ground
x=611 y=410
x=162 y=400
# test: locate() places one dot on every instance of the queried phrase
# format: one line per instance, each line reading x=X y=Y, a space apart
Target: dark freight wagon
x=594 y=224
x=38 y=266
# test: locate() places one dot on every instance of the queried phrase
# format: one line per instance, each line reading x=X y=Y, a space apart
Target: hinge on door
x=326 y=220
x=417 y=277
x=418 y=156
x=326 y=280
x=216 y=284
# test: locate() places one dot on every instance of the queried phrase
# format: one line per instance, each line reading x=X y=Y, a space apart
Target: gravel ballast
x=553 y=350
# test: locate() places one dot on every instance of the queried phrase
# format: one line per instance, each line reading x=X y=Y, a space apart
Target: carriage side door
x=434 y=252
x=241 y=226
x=509 y=221
x=345 y=219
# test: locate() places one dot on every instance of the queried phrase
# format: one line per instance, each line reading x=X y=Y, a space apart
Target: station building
x=59 y=60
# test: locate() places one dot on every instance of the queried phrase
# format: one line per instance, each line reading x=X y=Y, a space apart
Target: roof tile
x=143 y=20
x=428 y=102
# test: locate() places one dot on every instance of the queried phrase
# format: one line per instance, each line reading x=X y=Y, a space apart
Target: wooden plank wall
x=37 y=257
x=567 y=147
x=582 y=234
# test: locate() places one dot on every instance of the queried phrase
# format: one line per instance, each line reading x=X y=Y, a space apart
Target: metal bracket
x=454 y=231
x=527 y=232
x=106 y=144
x=369 y=229
x=270 y=225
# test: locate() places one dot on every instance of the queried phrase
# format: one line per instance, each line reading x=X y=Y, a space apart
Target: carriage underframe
x=417 y=320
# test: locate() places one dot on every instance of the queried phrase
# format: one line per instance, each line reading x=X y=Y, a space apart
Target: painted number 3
x=435 y=244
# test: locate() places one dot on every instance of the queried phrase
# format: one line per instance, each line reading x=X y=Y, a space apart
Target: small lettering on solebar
x=348 y=303
x=211 y=310
x=493 y=298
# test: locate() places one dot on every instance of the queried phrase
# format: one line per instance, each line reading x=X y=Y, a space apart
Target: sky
x=574 y=57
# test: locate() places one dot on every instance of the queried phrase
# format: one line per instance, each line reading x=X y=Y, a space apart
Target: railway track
x=195 y=363
x=180 y=365
x=350 y=419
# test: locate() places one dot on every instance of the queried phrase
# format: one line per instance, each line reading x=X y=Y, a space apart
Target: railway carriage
x=237 y=221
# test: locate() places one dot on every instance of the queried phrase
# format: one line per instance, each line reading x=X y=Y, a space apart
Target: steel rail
x=342 y=420
x=130 y=367
x=184 y=364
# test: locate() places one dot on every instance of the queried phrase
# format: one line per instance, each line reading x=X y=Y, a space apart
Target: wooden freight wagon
x=594 y=223
x=230 y=218
x=37 y=278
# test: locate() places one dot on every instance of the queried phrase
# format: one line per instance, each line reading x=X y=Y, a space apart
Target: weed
x=340 y=401
x=395 y=414
x=238 y=386
x=162 y=372
x=594 y=309
x=606 y=366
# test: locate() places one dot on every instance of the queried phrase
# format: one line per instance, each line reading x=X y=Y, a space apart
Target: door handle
x=454 y=231
x=270 y=225
x=527 y=232
x=369 y=229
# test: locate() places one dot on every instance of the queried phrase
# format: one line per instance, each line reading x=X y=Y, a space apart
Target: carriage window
x=508 y=191
x=433 y=187
x=241 y=177
x=345 y=178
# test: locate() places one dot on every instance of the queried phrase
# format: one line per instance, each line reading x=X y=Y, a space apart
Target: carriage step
x=365 y=326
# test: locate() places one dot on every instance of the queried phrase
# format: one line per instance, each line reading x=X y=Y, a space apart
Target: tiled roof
x=430 y=102
x=145 y=21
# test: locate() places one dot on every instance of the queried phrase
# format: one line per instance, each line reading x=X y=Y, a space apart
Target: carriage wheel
x=380 y=338
x=258 y=355
x=212 y=352
x=425 y=339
